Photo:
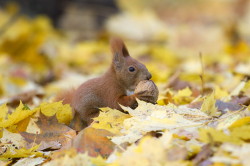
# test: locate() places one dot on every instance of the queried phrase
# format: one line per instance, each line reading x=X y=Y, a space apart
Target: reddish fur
x=65 y=96
x=109 y=89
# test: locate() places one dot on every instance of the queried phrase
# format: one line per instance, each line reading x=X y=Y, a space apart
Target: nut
x=148 y=88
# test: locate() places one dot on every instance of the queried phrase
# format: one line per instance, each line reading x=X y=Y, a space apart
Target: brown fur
x=110 y=89
x=65 y=96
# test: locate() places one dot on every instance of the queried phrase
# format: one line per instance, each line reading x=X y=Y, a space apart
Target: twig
x=202 y=75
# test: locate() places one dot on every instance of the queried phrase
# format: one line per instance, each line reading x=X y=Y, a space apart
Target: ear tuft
x=118 y=46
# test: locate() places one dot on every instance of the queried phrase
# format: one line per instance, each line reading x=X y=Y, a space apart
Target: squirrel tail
x=66 y=96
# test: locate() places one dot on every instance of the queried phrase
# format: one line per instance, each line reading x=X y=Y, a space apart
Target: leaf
x=94 y=141
x=3 y=112
x=183 y=96
x=240 y=122
x=110 y=120
x=29 y=161
x=149 y=151
x=238 y=154
x=148 y=117
x=15 y=139
x=211 y=135
x=63 y=112
x=205 y=153
x=236 y=135
x=220 y=93
x=21 y=112
x=76 y=160
x=51 y=131
x=208 y=105
x=20 y=153
x=230 y=119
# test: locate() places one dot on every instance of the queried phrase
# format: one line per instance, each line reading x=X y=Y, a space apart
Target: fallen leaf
x=29 y=161
x=77 y=160
x=206 y=152
x=20 y=153
x=63 y=112
x=183 y=96
x=94 y=141
x=208 y=105
x=20 y=113
x=237 y=135
x=51 y=131
x=177 y=153
x=110 y=120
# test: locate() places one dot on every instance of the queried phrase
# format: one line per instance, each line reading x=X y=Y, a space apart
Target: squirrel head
x=129 y=72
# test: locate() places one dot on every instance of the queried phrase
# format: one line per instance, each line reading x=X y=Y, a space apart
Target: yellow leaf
x=22 y=125
x=98 y=161
x=110 y=119
x=220 y=93
x=208 y=105
x=240 y=122
x=21 y=112
x=3 y=112
x=78 y=159
x=20 y=153
x=212 y=135
x=235 y=135
x=247 y=86
x=63 y=112
x=183 y=96
x=50 y=109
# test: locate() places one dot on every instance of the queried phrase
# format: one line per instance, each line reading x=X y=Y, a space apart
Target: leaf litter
x=202 y=115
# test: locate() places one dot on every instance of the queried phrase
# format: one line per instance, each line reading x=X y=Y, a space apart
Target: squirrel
x=114 y=87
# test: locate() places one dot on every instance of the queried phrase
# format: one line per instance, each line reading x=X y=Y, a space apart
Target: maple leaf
x=208 y=105
x=94 y=141
x=110 y=120
x=183 y=96
x=20 y=113
x=148 y=117
x=62 y=112
x=14 y=138
x=20 y=153
x=236 y=135
x=50 y=131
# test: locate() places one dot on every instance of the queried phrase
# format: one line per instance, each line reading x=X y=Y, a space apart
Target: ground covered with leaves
x=201 y=116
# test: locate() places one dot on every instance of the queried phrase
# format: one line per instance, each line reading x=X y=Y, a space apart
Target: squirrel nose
x=149 y=76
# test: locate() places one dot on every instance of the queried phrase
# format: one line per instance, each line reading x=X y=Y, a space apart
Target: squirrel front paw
x=147 y=91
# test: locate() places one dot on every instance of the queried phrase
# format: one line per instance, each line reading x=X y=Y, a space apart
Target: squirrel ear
x=119 y=52
x=118 y=46
x=118 y=61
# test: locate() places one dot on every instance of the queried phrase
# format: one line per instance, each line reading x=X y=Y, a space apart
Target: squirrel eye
x=131 y=69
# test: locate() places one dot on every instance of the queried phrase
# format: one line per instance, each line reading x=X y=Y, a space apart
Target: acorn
x=149 y=90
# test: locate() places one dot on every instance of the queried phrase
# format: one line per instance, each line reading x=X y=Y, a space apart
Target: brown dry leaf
x=51 y=131
x=29 y=161
x=26 y=97
x=177 y=153
x=13 y=138
x=94 y=141
x=206 y=152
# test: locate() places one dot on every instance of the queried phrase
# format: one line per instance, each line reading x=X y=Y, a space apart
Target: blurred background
x=48 y=45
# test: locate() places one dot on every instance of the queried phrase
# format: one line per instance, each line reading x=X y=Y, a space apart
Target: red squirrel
x=110 y=89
